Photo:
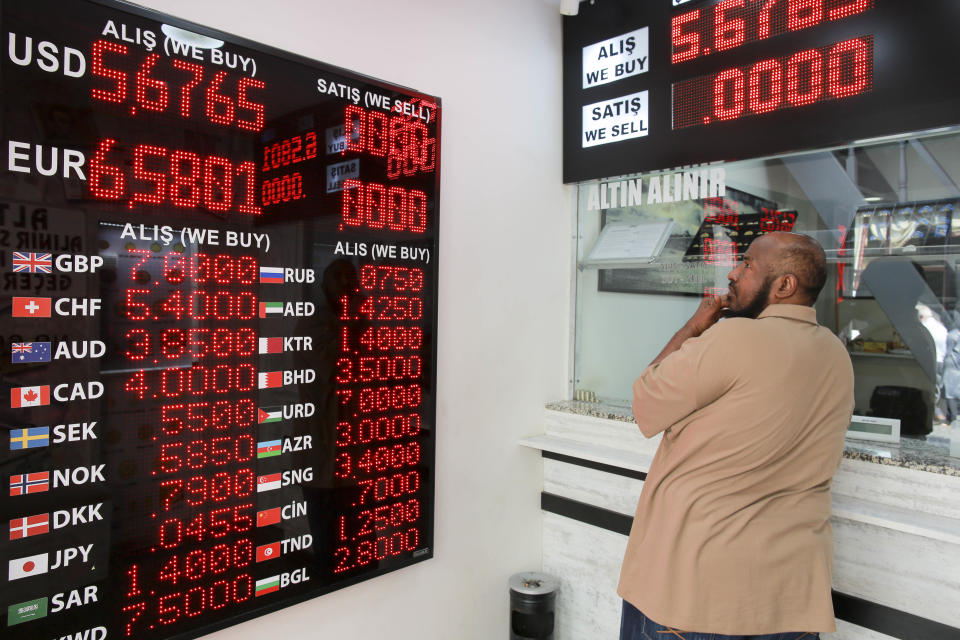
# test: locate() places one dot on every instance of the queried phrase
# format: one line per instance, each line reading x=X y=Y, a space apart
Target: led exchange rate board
x=665 y=83
x=219 y=267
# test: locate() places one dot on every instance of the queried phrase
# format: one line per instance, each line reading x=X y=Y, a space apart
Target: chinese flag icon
x=31 y=307
x=268 y=517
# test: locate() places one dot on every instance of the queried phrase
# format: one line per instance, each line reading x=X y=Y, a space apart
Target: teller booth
x=220 y=338
x=691 y=129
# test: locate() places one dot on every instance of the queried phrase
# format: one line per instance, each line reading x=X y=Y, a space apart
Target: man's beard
x=757 y=305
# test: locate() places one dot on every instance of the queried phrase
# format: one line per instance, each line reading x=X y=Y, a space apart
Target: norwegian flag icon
x=32 y=262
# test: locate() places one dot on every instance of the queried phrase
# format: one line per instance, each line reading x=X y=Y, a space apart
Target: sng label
x=614 y=120
x=616 y=58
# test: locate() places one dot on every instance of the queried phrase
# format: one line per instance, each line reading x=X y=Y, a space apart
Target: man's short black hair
x=803 y=256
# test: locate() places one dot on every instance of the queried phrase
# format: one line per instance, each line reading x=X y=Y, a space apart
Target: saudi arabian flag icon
x=26 y=611
x=268 y=585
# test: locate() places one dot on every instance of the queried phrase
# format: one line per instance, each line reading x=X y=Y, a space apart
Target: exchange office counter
x=896 y=523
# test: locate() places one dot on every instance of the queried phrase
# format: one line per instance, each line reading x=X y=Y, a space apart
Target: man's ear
x=786 y=287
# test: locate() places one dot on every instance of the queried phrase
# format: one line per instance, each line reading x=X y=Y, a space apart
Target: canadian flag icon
x=30 y=396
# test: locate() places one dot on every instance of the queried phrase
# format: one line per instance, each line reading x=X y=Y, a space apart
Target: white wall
x=504 y=288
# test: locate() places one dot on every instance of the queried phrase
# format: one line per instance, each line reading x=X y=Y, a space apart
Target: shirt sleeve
x=687 y=380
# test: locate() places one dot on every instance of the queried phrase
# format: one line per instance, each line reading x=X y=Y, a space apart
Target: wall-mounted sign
x=219 y=325
x=735 y=79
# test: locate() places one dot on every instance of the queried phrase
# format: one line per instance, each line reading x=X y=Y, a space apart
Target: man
x=732 y=535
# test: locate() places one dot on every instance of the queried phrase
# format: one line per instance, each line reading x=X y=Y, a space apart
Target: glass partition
x=886 y=212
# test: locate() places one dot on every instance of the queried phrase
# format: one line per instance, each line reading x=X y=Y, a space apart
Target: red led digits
x=850 y=68
x=118 y=92
x=721 y=211
x=405 y=142
x=733 y=23
x=838 y=71
x=152 y=94
x=282 y=189
x=849 y=8
x=728 y=32
x=290 y=151
x=106 y=181
x=226 y=101
x=404 y=209
x=804 y=78
x=381 y=429
x=766 y=86
x=193 y=181
x=719 y=252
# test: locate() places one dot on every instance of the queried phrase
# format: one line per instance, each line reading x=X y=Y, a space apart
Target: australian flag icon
x=29 y=352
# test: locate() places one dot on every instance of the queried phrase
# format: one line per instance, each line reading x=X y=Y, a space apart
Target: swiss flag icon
x=29 y=396
x=31 y=307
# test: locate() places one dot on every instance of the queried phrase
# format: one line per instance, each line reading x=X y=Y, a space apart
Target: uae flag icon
x=271 y=309
x=30 y=396
x=27 y=566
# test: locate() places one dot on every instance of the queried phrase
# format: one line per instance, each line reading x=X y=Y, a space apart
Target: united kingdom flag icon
x=32 y=262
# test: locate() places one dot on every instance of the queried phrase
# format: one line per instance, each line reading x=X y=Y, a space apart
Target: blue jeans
x=636 y=626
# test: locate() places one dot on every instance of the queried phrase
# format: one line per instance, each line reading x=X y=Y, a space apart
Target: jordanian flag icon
x=268 y=585
x=269 y=379
x=266 y=415
x=271 y=309
x=268 y=449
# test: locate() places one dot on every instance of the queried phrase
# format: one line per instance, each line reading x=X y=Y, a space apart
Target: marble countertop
x=931 y=453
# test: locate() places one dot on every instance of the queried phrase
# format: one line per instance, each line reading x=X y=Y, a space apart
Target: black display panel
x=219 y=324
x=663 y=83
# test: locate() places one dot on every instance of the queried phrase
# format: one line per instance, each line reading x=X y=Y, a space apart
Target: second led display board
x=660 y=84
x=219 y=267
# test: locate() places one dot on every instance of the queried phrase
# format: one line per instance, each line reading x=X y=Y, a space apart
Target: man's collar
x=791 y=311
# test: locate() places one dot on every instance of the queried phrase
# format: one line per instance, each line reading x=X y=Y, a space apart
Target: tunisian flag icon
x=30 y=396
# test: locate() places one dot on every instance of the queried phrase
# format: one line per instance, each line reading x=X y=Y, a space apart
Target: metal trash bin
x=533 y=597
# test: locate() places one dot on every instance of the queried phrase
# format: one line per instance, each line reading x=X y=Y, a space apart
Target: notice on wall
x=617 y=119
x=616 y=58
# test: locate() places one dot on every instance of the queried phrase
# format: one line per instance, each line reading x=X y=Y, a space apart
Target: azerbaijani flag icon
x=271 y=275
x=268 y=449
x=271 y=309
x=267 y=585
x=270 y=379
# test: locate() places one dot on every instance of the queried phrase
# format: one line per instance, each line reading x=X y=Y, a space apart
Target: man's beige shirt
x=732 y=532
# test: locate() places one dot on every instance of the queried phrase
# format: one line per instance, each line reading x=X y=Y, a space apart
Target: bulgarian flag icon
x=268 y=585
